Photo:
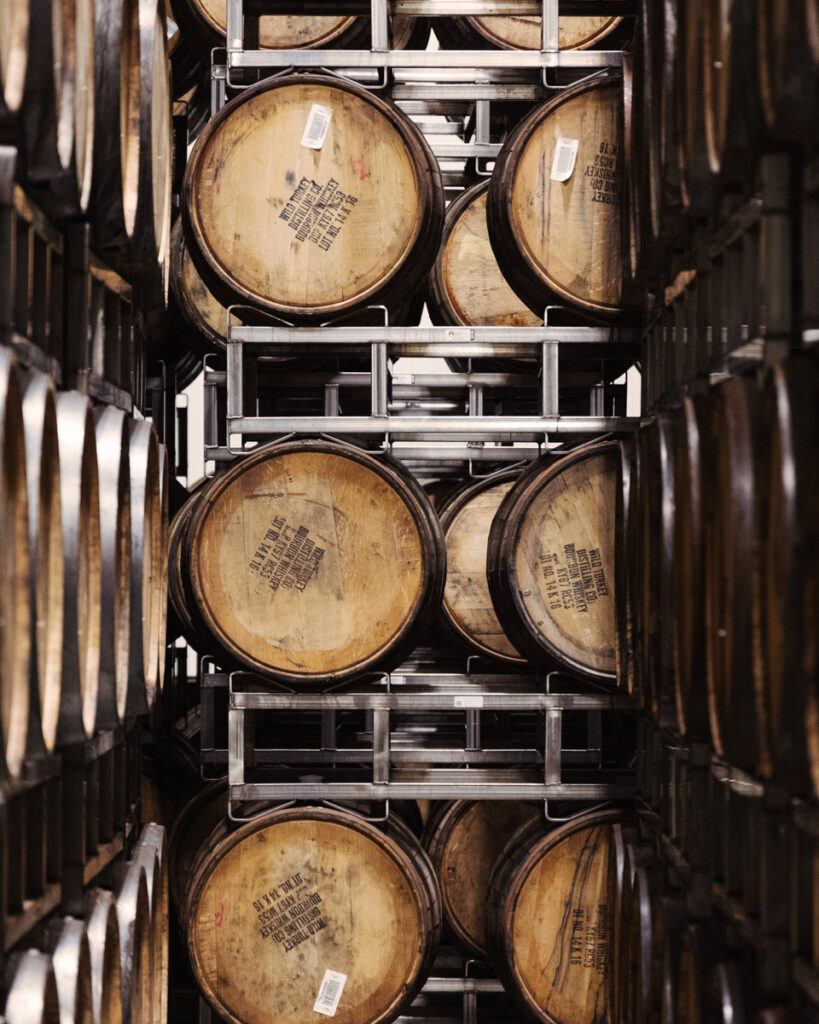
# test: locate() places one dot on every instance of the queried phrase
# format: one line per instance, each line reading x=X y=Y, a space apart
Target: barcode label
x=315 y=131
x=564 y=159
x=332 y=985
x=470 y=701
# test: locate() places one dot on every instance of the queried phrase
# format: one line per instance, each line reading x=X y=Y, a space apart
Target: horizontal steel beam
x=437 y=60
x=436 y=8
x=466 y=790
x=512 y=339
x=430 y=701
x=446 y=427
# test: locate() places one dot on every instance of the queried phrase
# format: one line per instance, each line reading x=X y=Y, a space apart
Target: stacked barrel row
x=112 y=964
x=718 y=573
x=84 y=572
x=85 y=100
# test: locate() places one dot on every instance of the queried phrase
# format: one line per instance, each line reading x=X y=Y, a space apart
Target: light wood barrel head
x=277 y=31
x=103 y=942
x=83 y=100
x=14 y=40
x=45 y=556
x=467 y=604
x=467 y=286
x=82 y=559
x=115 y=523
x=464 y=840
x=550 y=920
x=71 y=960
x=313 y=562
x=717 y=36
x=308 y=197
x=550 y=561
x=299 y=892
x=146 y=568
x=32 y=995
x=558 y=237
x=524 y=32
x=15 y=600
x=135 y=944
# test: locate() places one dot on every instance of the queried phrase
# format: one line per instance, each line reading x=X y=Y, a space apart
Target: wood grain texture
x=562 y=240
x=550 y=562
x=135 y=943
x=310 y=233
x=524 y=33
x=550 y=919
x=466 y=285
x=313 y=562
x=45 y=557
x=467 y=606
x=300 y=891
x=464 y=840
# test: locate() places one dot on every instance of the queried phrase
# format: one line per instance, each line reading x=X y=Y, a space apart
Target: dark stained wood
x=258 y=239
x=311 y=562
x=623 y=527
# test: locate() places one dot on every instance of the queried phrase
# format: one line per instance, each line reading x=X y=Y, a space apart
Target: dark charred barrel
x=531 y=944
x=786 y=488
x=692 y=458
x=146 y=568
x=32 y=994
x=698 y=181
x=729 y=573
x=71 y=960
x=525 y=33
x=347 y=565
x=700 y=954
x=363 y=901
x=58 y=106
x=117 y=134
x=464 y=840
x=298 y=240
x=45 y=558
x=103 y=944
x=135 y=943
x=556 y=525
x=563 y=242
x=466 y=286
x=14 y=45
x=15 y=609
x=787 y=36
x=115 y=534
x=467 y=609
x=82 y=560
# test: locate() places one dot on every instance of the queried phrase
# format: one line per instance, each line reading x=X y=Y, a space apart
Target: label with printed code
x=564 y=159
x=469 y=701
x=332 y=985
x=315 y=131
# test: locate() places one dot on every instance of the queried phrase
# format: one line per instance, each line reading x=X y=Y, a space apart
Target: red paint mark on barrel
x=357 y=164
x=220 y=916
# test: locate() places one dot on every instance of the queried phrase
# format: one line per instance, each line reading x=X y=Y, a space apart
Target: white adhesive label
x=332 y=985
x=470 y=701
x=315 y=131
x=564 y=159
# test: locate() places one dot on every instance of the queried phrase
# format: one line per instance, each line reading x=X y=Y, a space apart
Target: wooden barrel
x=692 y=460
x=549 y=921
x=346 y=561
x=45 y=558
x=58 y=106
x=195 y=822
x=32 y=993
x=525 y=33
x=698 y=951
x=550 y=561
x=670 y=103
x=14 y=44
x=786 y=488
x=102 y=929
x=186 y=621
x=729 y=997
x=729 y=574
x=117 y=134
x=297 y=241
x=115 y=533
x=638 y=856
x=161 y=603
x=146 y=569
x=655 y=593
x=561 y=242
x=15 y=612
x=82 y=560
x=698 y=181
x=624 y=835
x=150 y=247
x=465 y=285
x=467 y=607
x=152 y=853
x=787 y=52
x=311 y=907
x=135 y=944
x=71 y=960
x=464 y=840
x=624 y=513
